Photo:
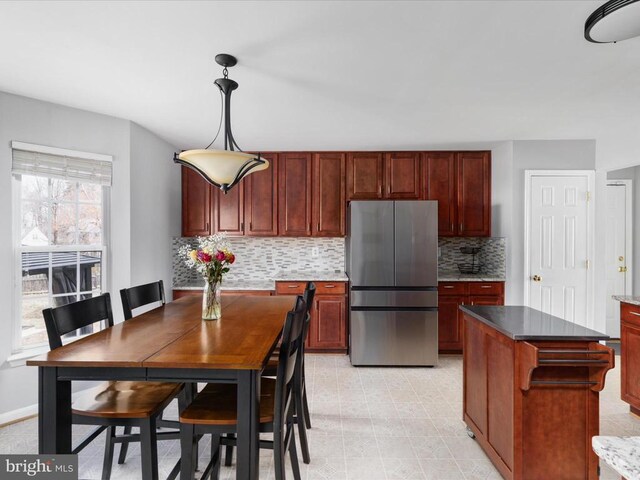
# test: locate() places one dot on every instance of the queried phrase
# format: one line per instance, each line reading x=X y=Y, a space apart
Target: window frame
x=17 y=348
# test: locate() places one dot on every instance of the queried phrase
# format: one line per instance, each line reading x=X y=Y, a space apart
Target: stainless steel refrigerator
x=392 y=263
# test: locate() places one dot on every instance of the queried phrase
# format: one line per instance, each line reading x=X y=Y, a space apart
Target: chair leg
x=124 y=447
x=149 y=449
x=307 y=416
x=215 y=456
x=188 y=446
x=293 y=454
x=108 y=453
x=228 y=452
x=299 y=409
x=278 y=455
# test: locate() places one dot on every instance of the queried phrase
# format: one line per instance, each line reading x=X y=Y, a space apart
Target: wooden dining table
x=170 y=344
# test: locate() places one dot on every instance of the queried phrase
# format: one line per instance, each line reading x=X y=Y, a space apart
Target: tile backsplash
x=260 y=258
x=492 y=254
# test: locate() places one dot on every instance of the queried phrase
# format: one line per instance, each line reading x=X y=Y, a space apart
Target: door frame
x=628 y=183
x=591 y=179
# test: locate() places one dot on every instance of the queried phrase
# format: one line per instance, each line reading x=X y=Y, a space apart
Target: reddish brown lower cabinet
x=532 y=405
x=328 y=328
x=630 y=355
x=453 y=294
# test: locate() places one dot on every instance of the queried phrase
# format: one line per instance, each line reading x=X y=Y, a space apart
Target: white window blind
x=68 y=167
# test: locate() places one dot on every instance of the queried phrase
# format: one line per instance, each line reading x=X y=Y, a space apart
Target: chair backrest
x=73 y=316
x=140 y=296
x=308 y=296
x=290 y=350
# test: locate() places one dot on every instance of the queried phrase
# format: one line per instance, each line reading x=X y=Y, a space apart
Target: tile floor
x=368 y=424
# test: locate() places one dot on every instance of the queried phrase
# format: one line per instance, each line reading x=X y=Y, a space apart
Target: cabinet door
x=196 y=204
x=294 y=200
x=449 y=322
x=630 y=372
x=402 y=175
x=439 y=173
x=486 y=300
x=474 y=194
x=364 y=176
x=475 y=373
x=329 y=203
x=228 y=211
x=261 y=200
x=328 y=328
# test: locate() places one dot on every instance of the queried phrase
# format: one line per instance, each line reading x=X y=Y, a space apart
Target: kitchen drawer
x=331 y=288
x=290 y=288
x=630 y=313
x=486 y=288
x=453 y=288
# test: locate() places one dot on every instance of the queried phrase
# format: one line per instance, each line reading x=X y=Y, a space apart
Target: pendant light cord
x=219 y=124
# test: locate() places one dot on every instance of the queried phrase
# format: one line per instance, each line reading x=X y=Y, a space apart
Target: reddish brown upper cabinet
x=329 y=205
x=294 y=195
x=439 y=172
x=196 y=204
x=402 y=175
x=474 y=194
x=261 y=200
x=364 y=176
x=228 y=211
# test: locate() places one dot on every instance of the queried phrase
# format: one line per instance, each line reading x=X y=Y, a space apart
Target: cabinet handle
x=380 y=190
x=250 y=225
x=329 y=286
x=448 y=286
x=207 y=226
x=318 y=226
x=486 y=286
x=293 y=286
x=453 y=228
x=461 y=225
x=635 y=313
x=241 y=225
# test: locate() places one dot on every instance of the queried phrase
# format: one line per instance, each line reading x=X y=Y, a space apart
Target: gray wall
x=155 y=208
x=33 y=121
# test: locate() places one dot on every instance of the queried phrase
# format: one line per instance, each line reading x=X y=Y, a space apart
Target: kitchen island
x=531 y=391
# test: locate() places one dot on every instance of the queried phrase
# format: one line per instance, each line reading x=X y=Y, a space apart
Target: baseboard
x=24 y=413
x=19 y=414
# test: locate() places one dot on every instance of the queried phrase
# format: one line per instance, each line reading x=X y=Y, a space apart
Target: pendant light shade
x=614 y=21
x=223 y=168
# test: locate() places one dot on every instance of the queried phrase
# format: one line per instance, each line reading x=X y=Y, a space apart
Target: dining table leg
x=248 y=442
x=54 y=412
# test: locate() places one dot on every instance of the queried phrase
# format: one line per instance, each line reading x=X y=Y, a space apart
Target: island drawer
x=453 y=288
x=486 y=288
x=630 y=313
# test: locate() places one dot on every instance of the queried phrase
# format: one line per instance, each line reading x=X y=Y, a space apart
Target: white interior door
x=618 y=251
x=558 y=241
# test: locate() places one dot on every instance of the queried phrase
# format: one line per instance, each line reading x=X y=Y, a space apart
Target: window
x=59 y=205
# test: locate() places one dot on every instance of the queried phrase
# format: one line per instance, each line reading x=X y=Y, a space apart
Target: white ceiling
x=343 y=75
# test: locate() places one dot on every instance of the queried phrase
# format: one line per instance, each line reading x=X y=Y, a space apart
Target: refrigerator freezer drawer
x=394 y=298
x=402 y=338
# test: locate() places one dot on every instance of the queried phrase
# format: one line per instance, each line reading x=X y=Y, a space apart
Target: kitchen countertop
x=620 y=453
x=455 y=276
x=524 y=323
x=627 y=299
x=270 y=284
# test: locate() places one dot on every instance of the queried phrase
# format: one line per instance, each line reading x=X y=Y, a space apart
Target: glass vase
x=211 y=301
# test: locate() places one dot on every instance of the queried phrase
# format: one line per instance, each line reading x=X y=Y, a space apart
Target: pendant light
x=614 y=21
x=223 y=168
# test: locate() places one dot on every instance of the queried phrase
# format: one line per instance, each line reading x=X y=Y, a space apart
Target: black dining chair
x=132 y=298
x=301 y=415
x=214 y=410
x=116 y=403
x=136 y=297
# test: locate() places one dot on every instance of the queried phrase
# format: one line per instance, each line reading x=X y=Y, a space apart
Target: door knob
x=622 y=269
x=621 y=258
x=537 y=278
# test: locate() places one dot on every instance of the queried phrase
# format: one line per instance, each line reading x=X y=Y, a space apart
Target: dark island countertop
x=525 y=323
